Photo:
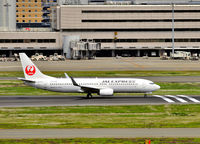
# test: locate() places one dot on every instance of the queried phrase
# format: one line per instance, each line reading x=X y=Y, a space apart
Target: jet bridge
x=74 y=48
x=84 y=50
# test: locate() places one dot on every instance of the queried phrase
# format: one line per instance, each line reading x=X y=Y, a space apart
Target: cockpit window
x=151 y=83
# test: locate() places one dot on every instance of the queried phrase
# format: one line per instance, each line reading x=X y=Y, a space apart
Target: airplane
x=100 y=86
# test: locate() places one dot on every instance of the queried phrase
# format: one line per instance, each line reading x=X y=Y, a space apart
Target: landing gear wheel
x=145 y=95
x=89 y=95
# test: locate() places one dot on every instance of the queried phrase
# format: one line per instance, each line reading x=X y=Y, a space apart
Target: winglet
x=73 y=81
x=66 y=75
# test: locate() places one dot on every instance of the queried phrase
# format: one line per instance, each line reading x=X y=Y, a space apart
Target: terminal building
x=137 y=30
x=134 y=28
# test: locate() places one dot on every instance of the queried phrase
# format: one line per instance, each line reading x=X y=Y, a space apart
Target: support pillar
x=161 y=52
x=10 y=53
x=138 y=53
x=113 y=53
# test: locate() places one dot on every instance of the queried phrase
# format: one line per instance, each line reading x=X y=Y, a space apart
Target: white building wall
x=30 y=45
x=71 y=24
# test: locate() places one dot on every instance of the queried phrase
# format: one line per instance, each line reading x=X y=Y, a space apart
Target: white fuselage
x=119 y=85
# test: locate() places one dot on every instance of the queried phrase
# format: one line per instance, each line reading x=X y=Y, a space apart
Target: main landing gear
x=146 y=94
x=89 y=95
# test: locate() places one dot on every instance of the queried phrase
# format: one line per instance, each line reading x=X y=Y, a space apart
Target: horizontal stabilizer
x=25 y=80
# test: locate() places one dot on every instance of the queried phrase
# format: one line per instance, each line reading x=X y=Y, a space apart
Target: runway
x=100 y=133
x=34 y=101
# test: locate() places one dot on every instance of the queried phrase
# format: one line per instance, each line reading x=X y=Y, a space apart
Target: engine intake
x=106 y=92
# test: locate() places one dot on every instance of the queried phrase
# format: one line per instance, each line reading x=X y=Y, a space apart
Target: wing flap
x=90 y=89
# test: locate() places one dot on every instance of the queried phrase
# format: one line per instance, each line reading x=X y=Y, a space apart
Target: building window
x=35 y=0
x=35 y=20
x=14 y=41
x=35 y=15
x=23 y=21
x=23 y=10
x=52 y=40
x=29 y=21
x=29 y=15
x=16 y=10
x=35 y=10
x=27 y=40
x=17 y=21
x=17 y=15
x=23 y=15
x=33 y=41
x=29 y=10
x=7 y=41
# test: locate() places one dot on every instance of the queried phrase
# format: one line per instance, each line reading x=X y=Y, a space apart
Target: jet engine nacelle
x=106 y=92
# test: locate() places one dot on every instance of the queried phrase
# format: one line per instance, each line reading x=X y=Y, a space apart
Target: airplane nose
x=157 y=87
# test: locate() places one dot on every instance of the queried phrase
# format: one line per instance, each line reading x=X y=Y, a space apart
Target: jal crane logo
x=30 y=70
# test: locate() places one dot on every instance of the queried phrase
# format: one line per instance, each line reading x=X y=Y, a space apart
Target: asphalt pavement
x=34 y=101
x=100 y=133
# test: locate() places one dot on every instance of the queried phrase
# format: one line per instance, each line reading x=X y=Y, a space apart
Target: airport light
x=172 y=30
x=7 y=10
x=115 y=39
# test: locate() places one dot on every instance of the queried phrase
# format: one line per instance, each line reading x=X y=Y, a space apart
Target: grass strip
x=103 y=141
x=15 y=87
x=108 y=73
x=134 y=116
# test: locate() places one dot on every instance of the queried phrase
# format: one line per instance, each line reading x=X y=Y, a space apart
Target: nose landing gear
x=146 y=94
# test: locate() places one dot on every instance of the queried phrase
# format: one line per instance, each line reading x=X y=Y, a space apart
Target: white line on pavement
x=179 y=99
x=190 y=98
x=164 y=98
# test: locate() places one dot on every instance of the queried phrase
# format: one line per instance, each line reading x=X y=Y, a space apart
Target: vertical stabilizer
x=30 y=69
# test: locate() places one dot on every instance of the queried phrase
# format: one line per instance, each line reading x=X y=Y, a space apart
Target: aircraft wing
x=25 y=80
x=86 y=89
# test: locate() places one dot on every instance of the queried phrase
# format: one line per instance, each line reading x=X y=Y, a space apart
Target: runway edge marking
x=164 y=98
x=177 y=98
x=190 y=98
